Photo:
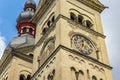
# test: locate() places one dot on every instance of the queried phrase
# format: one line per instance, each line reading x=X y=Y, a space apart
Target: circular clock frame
x=82 y=44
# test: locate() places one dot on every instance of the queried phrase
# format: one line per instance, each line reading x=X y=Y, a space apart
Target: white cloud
x=2 y=45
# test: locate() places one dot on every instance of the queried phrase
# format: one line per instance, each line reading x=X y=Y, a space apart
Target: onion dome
x=30 y=2
x=24 y=25
x=25 y=15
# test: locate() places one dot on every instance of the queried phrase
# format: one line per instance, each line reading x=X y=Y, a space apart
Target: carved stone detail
x=76 y=59
x=97 y=68
x=77 y=75
x=47 y=50
x=51 y=75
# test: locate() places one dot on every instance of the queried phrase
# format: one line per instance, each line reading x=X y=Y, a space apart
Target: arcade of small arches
x=80 y=20
x=48 y=23
x=22 y=77
x=27 y=30
x=80 y=75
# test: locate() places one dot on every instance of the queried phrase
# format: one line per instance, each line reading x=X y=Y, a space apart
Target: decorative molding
x=9 y=56
x=77 y=59
x=94 y=4
x=90 y=31
x=72 y=52
x=47 y=49
x=97 y=68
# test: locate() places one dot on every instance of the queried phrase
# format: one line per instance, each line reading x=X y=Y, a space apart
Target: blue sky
x=9 y=11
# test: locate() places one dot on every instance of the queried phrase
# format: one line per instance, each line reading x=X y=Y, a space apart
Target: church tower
x=17 y=60
x=69 y=41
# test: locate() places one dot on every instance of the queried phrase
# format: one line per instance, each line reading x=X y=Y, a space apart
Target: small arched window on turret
x=88 y=24
x=72 y=16
x=22 y=77
x=80 y=19
x=30 y=30
x=24 y=30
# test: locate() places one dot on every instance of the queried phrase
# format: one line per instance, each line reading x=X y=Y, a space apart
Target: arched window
x=22 y=77
x=81 y=75
x=80 y=19
x=72 y=16
x=31 y=55
x=44 y=30
x=51 y=75
x=94 y=78
x=53 y=18
x=88 y=24
x=24 y=30
x=49 y=24
x=28 y=77
x=30 y=30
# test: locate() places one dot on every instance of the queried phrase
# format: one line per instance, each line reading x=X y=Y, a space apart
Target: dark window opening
x=22 y=77
x=53 y=18
x=30 y=30
x=28 y=77
x=94 y=78
x=80 y=19
x=24 y=30
x=31 y=55
x=88 y=24
x=72 y=16
x=44 y=30
x=48 y=24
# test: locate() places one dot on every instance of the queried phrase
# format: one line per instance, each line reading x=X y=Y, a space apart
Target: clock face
x=82 y=44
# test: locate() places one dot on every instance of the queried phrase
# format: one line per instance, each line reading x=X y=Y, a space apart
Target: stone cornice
x=9 y=56
x=91 y=31
x=72 y=52
x=94 y=5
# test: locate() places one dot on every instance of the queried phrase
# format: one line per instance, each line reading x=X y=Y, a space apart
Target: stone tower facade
x=60 y=40
x=70 y=43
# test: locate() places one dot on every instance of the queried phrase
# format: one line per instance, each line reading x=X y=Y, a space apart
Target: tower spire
x=24 y=26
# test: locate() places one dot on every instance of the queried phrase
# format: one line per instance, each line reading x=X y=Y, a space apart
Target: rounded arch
x=76 y=12
x=28 y=77
x=24 y=30
x=73 y=68
x=80 y=19
x=72 y=16
x=24 y=71
x=81 y=75
x=94 y=78
x=30 y=30
x=89 y=24
x=46 y=42
x=22 y=77
x=97 y=68
x=102 y=70
x=81 y=72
